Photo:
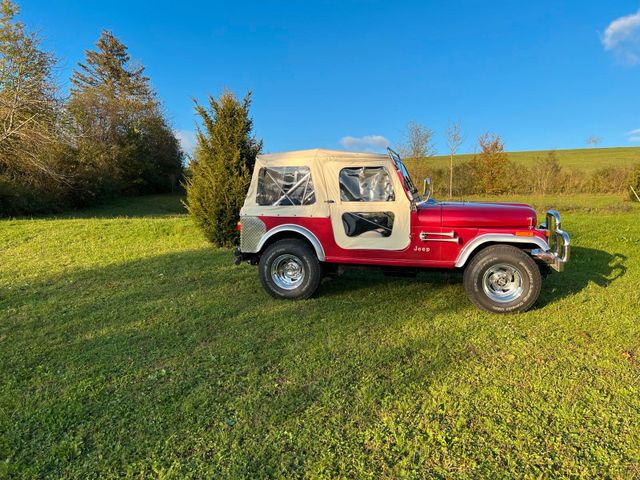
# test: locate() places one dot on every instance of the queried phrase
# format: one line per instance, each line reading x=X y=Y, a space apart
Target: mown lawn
x=129 y=347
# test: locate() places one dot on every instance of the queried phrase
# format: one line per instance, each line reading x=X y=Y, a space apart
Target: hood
x=470 y=214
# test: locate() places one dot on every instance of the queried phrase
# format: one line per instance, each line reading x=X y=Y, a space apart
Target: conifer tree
x=120 y=122
x=221 y=168
x=110 y=68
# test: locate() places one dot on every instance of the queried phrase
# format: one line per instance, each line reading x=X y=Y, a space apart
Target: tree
x=593 y=140
x=454 y=141
x=490 y=166
x=221 y=168
x=29 y=114
x=163 y=153
x=546 y=174
x=124 y=141
x=418 y=143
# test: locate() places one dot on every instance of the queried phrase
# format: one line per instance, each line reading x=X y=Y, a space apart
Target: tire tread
x=306 y=254
x=505 y=253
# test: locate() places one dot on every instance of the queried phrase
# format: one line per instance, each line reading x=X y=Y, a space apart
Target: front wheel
x=503 y=279
x=289 y=269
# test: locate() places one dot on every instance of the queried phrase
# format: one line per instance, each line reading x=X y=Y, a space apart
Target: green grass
x=130 y=348
x=147 y=206
x=587 y=159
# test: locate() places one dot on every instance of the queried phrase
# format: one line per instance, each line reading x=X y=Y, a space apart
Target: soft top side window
x=285 y=186
x=366 y=184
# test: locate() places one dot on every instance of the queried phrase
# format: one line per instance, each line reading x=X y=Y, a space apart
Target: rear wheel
x=503 y=279
x=289 y=269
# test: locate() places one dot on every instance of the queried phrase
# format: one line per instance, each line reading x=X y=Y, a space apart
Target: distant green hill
x=581 y=158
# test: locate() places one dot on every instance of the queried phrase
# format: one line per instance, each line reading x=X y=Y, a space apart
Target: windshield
x=404 y=172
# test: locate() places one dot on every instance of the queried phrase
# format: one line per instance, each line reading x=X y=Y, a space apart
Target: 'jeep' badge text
x=421 y=249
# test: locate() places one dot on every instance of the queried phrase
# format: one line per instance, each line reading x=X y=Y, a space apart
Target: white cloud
x=368 y=143
x=187 y=139
x=622 y=38
x=633 y=135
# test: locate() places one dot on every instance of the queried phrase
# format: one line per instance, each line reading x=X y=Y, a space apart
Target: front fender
x=480 y=240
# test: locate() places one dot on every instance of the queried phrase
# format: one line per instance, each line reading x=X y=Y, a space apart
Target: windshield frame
x=408 y=182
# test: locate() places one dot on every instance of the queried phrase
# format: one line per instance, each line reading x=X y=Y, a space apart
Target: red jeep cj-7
x=308 y=212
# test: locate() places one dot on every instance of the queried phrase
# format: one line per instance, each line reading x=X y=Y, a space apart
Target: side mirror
x=427 y=188
x=427 y=182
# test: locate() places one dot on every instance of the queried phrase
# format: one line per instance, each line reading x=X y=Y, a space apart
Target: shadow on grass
x=182 y=361
x=355 y=279
x=188 y=347
x=131 y=207
x=586 y=265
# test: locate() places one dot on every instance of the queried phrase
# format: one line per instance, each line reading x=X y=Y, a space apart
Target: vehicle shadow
x=587 y=265
x=191 y=347
x=187 y=342
x=355 y=279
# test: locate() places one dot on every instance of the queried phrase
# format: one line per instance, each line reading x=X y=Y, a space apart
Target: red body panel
x=494 y=215
x=465 y=220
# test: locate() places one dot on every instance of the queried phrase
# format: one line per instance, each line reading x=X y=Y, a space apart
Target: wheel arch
x=282 y=232
x=481 y=242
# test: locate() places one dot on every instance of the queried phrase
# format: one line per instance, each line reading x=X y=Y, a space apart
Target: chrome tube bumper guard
x=559 y=243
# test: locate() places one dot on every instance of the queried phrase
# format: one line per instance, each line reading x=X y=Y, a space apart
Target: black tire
x=289 y=269
x=503 y=279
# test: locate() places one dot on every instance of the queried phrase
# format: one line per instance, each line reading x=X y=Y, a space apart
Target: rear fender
x=305 y=232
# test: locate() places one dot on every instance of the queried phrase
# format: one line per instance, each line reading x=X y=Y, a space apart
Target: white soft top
x=320 y=155
x=325 y=167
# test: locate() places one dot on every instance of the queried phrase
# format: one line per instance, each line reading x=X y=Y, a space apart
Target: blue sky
x=544 y=74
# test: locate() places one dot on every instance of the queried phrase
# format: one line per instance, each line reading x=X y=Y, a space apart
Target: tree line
x=491 y=171
x=108 y=137
x=545 y=177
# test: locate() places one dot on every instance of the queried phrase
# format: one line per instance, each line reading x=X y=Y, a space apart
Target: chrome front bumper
x=559 y=243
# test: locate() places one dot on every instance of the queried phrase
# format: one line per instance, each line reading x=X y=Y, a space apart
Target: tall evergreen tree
x=110 y=68
x=222 y=165
x=124 y=139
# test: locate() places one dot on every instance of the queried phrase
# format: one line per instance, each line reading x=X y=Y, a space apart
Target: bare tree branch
x=418 y=143
x=454 y=141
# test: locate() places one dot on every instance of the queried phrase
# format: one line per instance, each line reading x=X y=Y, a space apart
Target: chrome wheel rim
x=502 y=283
x=287 y=271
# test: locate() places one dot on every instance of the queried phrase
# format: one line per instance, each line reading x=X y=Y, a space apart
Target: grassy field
x=129 y=347
x=587 y=159
x=580 y=202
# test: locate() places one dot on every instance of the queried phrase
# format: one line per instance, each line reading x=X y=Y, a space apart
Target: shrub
x=633 y=180
x=546 y=174
x=490 y=165
x=221 y=168
x=545 y=177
